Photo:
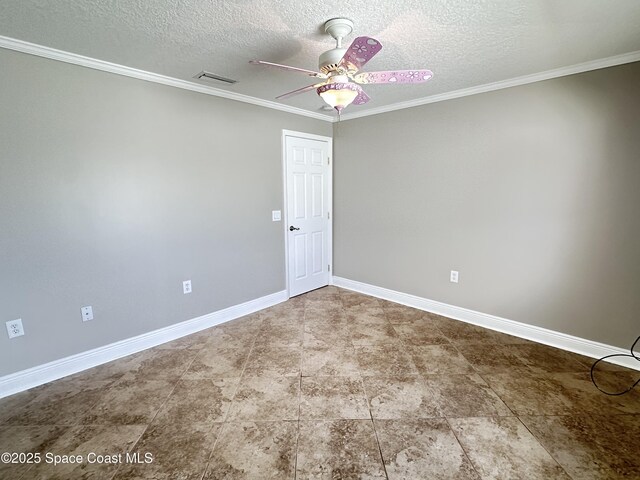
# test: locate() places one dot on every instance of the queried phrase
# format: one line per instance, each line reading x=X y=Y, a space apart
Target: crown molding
x=72 y=58
x=512 y=82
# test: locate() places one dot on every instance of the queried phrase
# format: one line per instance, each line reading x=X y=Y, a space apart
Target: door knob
x=292 y=228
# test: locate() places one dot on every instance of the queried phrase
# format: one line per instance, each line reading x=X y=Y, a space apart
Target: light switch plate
x=276 y=215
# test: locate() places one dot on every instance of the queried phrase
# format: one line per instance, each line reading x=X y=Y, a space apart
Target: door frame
x=285 y=216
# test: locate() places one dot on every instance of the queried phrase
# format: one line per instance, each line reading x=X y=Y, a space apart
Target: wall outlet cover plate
x=15 y=328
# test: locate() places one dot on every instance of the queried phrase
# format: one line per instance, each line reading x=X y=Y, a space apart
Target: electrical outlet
x=276 y=215
x=186 y=287
x=87 y=313
x=454 y=276
x=14 y=328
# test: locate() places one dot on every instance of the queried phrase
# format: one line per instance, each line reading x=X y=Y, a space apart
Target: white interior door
x=308 y=213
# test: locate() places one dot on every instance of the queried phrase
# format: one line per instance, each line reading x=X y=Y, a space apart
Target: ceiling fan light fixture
x=339 y=95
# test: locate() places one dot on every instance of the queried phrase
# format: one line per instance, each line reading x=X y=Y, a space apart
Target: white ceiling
x=465 y=43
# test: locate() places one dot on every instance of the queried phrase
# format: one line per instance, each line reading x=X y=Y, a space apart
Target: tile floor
x=332 y=385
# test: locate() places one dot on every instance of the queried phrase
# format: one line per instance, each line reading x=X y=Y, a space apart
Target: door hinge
x=328 y=215
x=328 y=160
x=328 y=268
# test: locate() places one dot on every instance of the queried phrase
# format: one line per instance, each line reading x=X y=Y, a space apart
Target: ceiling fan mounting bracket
x=338 y=28
x=329 y=60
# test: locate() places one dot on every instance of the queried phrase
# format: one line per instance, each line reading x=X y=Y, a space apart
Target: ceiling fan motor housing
x=329 y=60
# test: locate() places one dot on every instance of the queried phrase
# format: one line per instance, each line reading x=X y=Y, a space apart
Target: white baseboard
x=530 y=332
x=32 y=377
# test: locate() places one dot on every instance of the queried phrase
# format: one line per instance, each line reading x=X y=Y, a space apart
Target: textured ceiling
x=465 y=43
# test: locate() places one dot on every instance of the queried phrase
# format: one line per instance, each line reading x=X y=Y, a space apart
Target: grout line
x=475 y=369
x=375 y=432
x=304 y=324
x=133 y=446
x=295 y=462
x=155 y=415
x=373 y=423
x=423 y=381
x=240 y=378
x=223 y=427
x=542 y=445
x=513 y=412
x=224 y=424
x=475 y=469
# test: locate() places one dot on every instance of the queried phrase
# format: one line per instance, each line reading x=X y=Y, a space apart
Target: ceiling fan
x=339 y=67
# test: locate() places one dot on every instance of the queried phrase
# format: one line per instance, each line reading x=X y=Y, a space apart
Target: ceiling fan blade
x=299 y=90
x=361 y=99
x=361 y=50
x=394 y=76
x=311 y=73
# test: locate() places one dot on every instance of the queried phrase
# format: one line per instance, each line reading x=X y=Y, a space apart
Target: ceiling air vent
x=212 y=76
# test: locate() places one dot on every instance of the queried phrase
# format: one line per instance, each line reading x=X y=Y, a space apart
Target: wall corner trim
x=530 y=332
x=32 y=377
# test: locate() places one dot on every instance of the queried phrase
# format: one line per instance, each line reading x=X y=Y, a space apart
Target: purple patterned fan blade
x=394 y=76
x=361 y=99
x=287 y=67
x=298 y=91
x=361 y=50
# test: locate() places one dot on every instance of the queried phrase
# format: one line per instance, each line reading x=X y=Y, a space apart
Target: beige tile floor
x=332 y=385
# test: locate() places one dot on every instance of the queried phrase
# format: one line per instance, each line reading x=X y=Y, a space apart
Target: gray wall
x=114 y=190
x=532 y=193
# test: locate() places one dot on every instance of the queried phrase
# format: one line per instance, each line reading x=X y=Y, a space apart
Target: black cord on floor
x=632 y=355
